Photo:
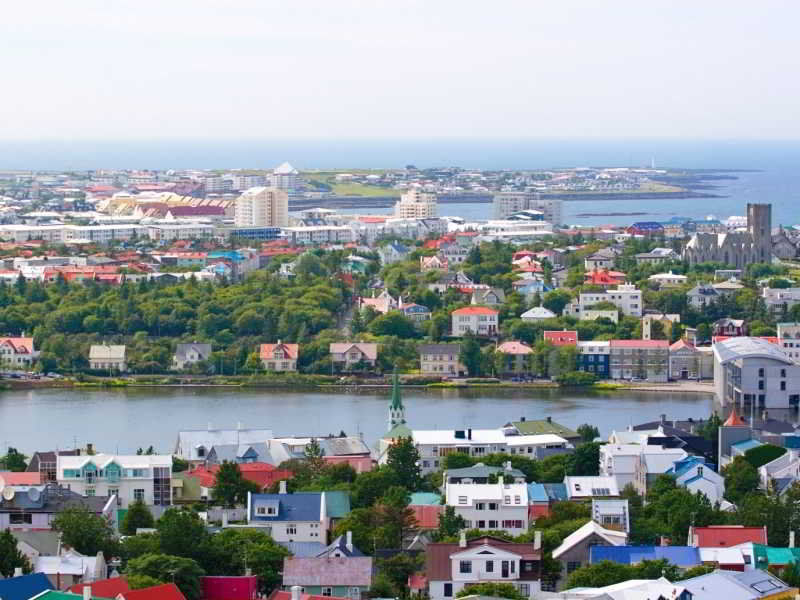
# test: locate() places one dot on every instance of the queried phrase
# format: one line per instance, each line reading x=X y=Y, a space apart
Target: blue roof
x=746 y=445
x=682 y=556
x=681 y=466
x=291 y=507
x=304 y=549
x=537 y=493
x=556 y=492
x=425 y=498
x=791 y=441
x=25 y=587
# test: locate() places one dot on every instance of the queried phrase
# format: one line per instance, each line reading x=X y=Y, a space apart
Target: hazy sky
x=110 y=69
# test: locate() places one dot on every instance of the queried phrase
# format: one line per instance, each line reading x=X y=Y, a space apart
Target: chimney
x=462 y=539
x=791 y=539
x=89 y=448
x=296 y=592
x=549 y=419
x=87 y=592
x=522 y=419
x=282 y=486
x=349 y=544
x=537 y=540
x=18 y=571
x=508 y=465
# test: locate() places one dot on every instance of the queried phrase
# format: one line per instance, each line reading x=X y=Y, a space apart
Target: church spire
x=397 y=412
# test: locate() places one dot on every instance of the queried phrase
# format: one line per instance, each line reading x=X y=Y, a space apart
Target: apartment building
x=416 y=204
x=640 y=359
x=626 y=298
x=262 y=207
x=789 y=339
x=440 y=359
x=502 y=505
x=595 y=357
x=508 y=203
x=141 y=477
x=480 y=320
x=319 y=234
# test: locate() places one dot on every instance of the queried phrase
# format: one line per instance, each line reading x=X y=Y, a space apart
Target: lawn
x=349 y=189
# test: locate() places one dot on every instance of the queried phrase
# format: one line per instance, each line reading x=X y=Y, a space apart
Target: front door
x=504 y=569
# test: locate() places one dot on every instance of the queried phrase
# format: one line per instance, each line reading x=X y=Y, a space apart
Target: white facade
x=626 y=298
x=507 y=203
x=319 y=234
x=491 y=506
x=777 y=299
x=181 y=231
x=477 y=319
x=262 y=207
x=789 y=339
x=632 y=463
x=415 y=204
x=142 y=477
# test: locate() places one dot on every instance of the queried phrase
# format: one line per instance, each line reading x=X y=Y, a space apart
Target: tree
x=182 y=533
x=491 y=589
x=556 y=300
x=11 y=557
x=13 y=461
x=585 y=460
x=470 y=354
x=134 y=546
x=588 y=432
x=85 y=531
x=396 y=570
x=403 y=461
x=315 y=457
x=741 y=478
x=236 y=550
x=230 y=487
x=393 y=323
x=138 y=516
x=393 y=518
x=450 y=523
x=164 y=568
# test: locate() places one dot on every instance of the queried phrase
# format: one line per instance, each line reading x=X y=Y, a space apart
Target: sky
x=375 y=69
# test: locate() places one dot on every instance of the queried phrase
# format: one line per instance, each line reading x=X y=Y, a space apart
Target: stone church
x=738 y=248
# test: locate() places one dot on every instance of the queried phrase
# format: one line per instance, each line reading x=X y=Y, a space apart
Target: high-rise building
x=285 y=177
x=262 y=207
x=508 y=203
x=415 y=204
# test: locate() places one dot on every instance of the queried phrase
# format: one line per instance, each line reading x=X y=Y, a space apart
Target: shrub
x=576 y=379
x=762 y=455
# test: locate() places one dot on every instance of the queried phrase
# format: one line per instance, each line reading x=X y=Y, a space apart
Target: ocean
x=774 y=166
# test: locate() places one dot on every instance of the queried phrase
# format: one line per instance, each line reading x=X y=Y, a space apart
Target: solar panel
x=765 y=586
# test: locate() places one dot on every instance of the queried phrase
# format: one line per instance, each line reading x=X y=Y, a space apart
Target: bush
x=762 y=455
x=484 y=380
x=576 y=379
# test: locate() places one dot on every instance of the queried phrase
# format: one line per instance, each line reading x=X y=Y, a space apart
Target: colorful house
x=279 y=357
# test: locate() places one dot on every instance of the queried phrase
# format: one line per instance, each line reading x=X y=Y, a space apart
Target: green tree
x=404 y=462
x=450 y=523
x=183 y=534
x=741 y=478
x=138 y=516
x=556 y=300
x=588 y=432
x=585 y=460
x=230 y=487
x=315 y=457
x=237 y=550
x=491 y=589
x=137 y=545
x=393 y=323
x=13 y=461
x=470 y=355
x=85 y=531
x=164 y=568
x=393 y=518
x=11 y=557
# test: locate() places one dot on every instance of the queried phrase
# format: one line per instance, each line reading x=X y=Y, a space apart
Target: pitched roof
x=291 y=350
x=640 y=344
x=21 y=477
x=204 y=350
x=541 y=426
x=24 y=587
x=21 y=345
x=369 y=350
x=44 y=542
x=681 y=556
x=439 y=349
x=734 y=420
x=750 y=584
x=196 y=211
x=328 y=571
x=474 y=310
x=437 y=556
x=427 y=515
x=514 y=348
x=725 y=536
x=166 y=591
x=104 y=352
x=104 y=588
x=305 y=506
x=561 y=338
x=538 y=312
x=615 y=538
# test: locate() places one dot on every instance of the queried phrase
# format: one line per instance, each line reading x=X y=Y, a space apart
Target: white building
x=480 y=320
x=141 y=477
x=286 y=517
x=107 y=357
x=285 y=177
x=778 y=299
x=262 y=207
x=491 y=506
x=319 y=234
x=668 y=279
x=416 y=204
x=632 y=463
x=537 y=313
x=754 y=371
x=581 y=487
x=626 y=298
x=789 y=340
x=507 y=203
x=180 y=231
x=245 y=182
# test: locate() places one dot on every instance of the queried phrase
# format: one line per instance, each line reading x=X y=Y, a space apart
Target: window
x=480 y=506
x=492 y=524
x=517 y=500
x=91 y=492
x=465 y=566
x=492 y=505
x=761 y=372
x=761 y=384
x=201 y=452
x=448 y=590
x=490 y=566
x=138 y=495
x=481 y=524
x=783 y=372
x=291 y=529
x=513 y=566
x=327 y=591
x=525 y=589
x=508 y=499
x=783 y=386
x=462 y=499
x=21 y=518
x=355 y=593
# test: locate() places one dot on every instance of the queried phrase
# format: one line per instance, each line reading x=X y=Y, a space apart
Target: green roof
x=337 y=503
x=541 y=426
x=56 y=595
x=397 y=402
x=398 y=431
x=425 y=498
x=767 y=555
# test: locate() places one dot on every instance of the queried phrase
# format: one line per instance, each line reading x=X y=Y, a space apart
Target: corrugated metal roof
x=328 y=571
x=682 y=556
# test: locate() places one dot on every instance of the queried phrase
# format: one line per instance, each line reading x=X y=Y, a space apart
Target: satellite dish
x=8 y=493
x=34 y=494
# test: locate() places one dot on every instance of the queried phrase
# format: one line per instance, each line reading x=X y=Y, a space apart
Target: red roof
x=734 y=420
x=229 y=587
x=474 y=310
x=726 y=536
x=561 y=338
x=514 y=348
x=681 y=343
x=639 y=344
x=604 y=277
x=104 y=588
x=721 y=338
x=21 y=477
x=289 y=350
x=166 y=591
x=521 y=253
x=21 y=345
x=427 y=515
x=281 y=595
x=262 y=474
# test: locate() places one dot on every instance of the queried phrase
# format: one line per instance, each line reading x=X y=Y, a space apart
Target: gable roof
x=328 y=571
x=561 y=338
x=24 y=587
x=166 y=591
x=291 y=350
x=44 y=542
x=21 y=477
x=21 y=345
x=369 y=350
x=105 y=352
x=104 y=588
x=305 y=506
x=474 y=310
x=725 y=536
x=541 y=426
x=538 y=312
x=437 y=556
x=514 y=348
x=615 y=538
x=181 y=350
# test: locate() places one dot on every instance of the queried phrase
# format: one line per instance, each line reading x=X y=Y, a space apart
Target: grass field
x=349 y=189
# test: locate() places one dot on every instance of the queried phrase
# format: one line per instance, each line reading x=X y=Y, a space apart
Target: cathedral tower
x=759 y=225
x=397 y=412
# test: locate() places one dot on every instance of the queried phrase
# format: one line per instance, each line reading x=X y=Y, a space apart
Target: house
x=189 y=354
x=488 y=297
x=103 y=357
x=393 y=252
x=34 y=543
x=612 y=514
x=164 y=591
x=501 y=505
x=297 y=593
x=70 y=568
x=545 y=426
x=591 y=314
x=687 y=361
x=595 y=357
x=194 y=445
x=656 y=256
x=581 y=487
x=341 y=576
x=753 y=370
x=337 y=449
x=627 y=298
x=449 y=567
x=683 y=557
x=279 y=357
x=725 y=536
x=752 y=584
x=515 y=356
x=238 y=453
x=290 y=517
x=561 y=338
x=789 y=339
x=729 y=327
x=351 y=356
x=480 y=320
x=416 y=313
x=645 y=228
x=637 y=464
x=573 y=553
x=147 y=478
x=641 y=359
x=440 y=359
x=604 y=278
x=669 y=279
x=701 y=296
x=783 y=471
x=436 y=262
x=17 y=352
x=103 y=588
x=530 y=286
x=602 y=259
x=24 y=587
x=695 y=475
x=633 y=589
x=779 y=300
x=35 y=507
x=538 y=313
x=665 y=321
x=730 y=286
x=261 y=474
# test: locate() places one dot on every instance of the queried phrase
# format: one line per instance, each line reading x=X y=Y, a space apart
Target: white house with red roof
x=561 y=338
x=279 y=357
x=17 y=351
x=480 y=320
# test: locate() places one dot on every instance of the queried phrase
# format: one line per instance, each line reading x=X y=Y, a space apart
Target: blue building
x=595 y=357
x=259 y=234
x=684 y=557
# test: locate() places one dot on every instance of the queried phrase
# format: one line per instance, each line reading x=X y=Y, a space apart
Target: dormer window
x=201 y=451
